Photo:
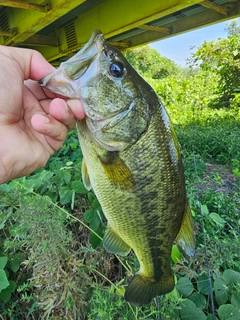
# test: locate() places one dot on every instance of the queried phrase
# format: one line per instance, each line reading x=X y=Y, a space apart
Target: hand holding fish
x=33 y=122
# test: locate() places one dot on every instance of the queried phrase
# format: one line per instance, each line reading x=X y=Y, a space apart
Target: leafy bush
x=216 y=139
x=149 y=63
x=52 y=264
x=223 y=58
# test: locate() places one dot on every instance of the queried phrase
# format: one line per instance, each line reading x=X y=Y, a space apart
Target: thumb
x=33 y=65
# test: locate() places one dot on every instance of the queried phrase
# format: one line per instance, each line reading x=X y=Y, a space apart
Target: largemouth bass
x=132 y=161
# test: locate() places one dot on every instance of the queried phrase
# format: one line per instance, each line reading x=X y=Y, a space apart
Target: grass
x=59 y=274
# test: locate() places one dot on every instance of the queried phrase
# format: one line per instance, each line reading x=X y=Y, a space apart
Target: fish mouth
x=66 y=80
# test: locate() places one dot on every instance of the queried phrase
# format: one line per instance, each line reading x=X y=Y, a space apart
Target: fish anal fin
x=85 y=176
x=142 y=290
x=185 y=239
x=113 y=243
x=116 y=170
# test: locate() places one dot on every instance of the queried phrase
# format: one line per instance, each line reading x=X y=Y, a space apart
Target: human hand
x=33 y=122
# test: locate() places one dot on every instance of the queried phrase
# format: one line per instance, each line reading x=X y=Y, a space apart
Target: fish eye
x=116 y=69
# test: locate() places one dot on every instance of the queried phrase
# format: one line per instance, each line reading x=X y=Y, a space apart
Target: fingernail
x=45 y=119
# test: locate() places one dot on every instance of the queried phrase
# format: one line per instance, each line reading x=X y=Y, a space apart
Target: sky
x=177 y=48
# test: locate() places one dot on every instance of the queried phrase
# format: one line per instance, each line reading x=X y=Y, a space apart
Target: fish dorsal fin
x=185 y=239
x=113 y=243
x=85 y=176
x=116 y=170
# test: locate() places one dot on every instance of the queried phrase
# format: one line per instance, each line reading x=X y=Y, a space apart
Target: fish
x=132 y=161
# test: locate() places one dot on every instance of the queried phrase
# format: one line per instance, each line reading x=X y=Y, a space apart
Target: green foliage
x=216 y=138
x=222 y=58
x=52 y=264
x=186 y=98
x=149 y=63
x=233 y=28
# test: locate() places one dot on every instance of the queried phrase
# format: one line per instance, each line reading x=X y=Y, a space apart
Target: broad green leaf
x=65 y=195
x=189 y=311
x=3 y=262
x=174 y=292
x=46 y=175
x=176 y=254
x=5 y=294
x=198 y=299
x=95 y=223
x=58 y=178
x=78 y=187
x=4 y=187
x=66 y=176
x=217 y=219
x=96 y=204
x=16 y=261
x=203 y=284
x=235 y=299
x=184 y=287
x=228 y=312
x=230 y=276
x=3 y=280
x=204 y=210
x=88 y=215
x=221 y=291
x=92 y=217
x=91 y=196
x=61 y=177
x=210 y=317
x=13 y=185
x=95 y=240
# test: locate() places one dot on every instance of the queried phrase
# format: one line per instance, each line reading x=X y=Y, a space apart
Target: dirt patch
x=218 y=178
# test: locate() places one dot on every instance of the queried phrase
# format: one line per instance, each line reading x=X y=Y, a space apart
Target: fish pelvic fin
x=142 y=290
x=85 y=176
x=185 y=239
x=113 y=243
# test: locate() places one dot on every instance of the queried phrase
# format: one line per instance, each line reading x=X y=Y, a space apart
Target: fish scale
x=132 y=161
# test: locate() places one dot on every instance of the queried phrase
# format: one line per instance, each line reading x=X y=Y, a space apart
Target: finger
x=54 y=131
x=37 y=90
x=33 y=65
x=60 y=110
x=76 y=108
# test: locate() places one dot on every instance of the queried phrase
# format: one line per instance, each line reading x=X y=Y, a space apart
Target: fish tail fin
x=142 y=290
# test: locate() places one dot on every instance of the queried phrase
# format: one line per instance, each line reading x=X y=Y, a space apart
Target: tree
x=148 y=62
x=223 y=58
x=233 y=28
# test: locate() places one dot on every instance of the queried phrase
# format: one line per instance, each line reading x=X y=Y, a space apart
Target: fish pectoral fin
x=185 y=239
x=116 y=170
x=142 y=290
x=85 y=176
x=113 y=243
